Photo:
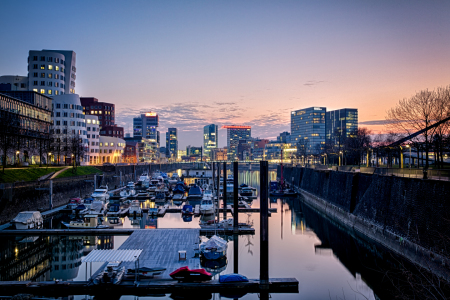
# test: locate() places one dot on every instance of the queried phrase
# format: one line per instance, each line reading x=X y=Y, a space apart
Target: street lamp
x=340 y=152
x=408 y=146
x=49 y=155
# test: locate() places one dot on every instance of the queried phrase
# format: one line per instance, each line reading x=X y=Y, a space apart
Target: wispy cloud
x=311 y=83
x=375 y=122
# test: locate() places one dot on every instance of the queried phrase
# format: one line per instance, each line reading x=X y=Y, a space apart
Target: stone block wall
x=414 y=209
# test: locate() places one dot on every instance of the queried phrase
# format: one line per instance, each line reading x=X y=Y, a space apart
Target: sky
x=237 y=62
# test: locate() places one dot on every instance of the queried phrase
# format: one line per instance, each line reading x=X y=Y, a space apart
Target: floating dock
x=160 y=248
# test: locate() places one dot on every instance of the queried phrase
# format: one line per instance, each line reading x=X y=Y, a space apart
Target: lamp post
x=48 y=158
x=340 y=152
x=17 y=152
x=408 y=146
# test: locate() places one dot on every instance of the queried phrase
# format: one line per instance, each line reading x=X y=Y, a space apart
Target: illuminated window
x=49 y=92
x=42 y=91
x=112 y=144
x=56 y=92
x=101 y=145
x=50 y=67
x=42 y=67
x=106 y=144
x=56 y=68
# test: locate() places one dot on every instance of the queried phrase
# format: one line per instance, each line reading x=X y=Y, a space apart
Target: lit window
x=56 y=68
x=49 y=92
x=42 y=91
x=56 y=92
x=106 y=144
x=50 y=67
x=101 y=144
x=112 y=144
x=42 y=67
x=35 y=90
x=92 y=112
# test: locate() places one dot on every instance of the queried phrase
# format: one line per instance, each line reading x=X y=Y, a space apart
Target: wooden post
x=235 y=253
x=264 y=224
x=217 y=192
x=224 y=190
x=236 y=198
x=50 y=189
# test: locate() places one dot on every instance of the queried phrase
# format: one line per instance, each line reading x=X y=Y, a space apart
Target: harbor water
x=328 y=262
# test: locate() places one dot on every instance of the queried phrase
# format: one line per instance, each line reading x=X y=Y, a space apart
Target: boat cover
x=25 y=217
x=195 y=190
x=179 y=188
x=187 y=208
x=214 y=242
x=186 y=270
x=233 y=277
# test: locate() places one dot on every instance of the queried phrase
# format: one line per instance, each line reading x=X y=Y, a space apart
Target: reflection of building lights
x=16 y=250
x=99 y=242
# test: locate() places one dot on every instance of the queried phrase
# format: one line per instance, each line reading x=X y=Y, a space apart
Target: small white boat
x=174 y=178
x=129 y=191
x=131 y=185
x=101 y=193
x=28 y=220
x=208 y=195
x=215 y=248
x=135 y=208
x=207 y=207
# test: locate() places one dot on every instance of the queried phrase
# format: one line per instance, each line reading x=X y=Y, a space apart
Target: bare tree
x=414 y=114
x=8 y=132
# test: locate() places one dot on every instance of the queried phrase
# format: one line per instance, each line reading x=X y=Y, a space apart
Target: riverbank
x=407 y=216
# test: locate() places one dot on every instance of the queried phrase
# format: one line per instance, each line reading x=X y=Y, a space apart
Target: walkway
x=60 y=171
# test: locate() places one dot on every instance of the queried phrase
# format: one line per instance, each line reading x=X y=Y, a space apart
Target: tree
x=414 y=114
x=8 y=131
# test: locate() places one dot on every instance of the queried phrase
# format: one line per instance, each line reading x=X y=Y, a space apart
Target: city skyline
x=248 y=63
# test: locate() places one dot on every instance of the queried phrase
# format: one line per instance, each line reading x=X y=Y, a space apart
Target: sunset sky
x=237 y=62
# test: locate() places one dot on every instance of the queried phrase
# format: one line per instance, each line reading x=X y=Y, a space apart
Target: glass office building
x=308 y=130
x=234 y=135
x=340 y=125
x=210 y=139
x=171 y=143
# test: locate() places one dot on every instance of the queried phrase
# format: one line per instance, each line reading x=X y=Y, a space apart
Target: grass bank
x=82 y=170
x=25 y=174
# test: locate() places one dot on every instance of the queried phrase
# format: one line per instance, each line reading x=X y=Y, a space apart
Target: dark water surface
x=328 y=262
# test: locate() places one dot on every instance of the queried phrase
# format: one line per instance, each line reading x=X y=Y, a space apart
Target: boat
x=174 y=178
x=73 y=203
x=143 y=195
x=186 y=274
x=115 y=221
x=160 y=196
x=87 y=202
x=179 y=188
x=187 y=210
x=97 y=206
x=130 y=185
x=246 y=191
x=135 y=208
x=113 y=274
x=277 y=193
x=214 y=248
x=290 y=193
x=153 y=211
x=207 y=207
x=129 y=191
x=101 y=193
x=145 y=272
x=195 y=192
x=208 y=195
x=144 y=180
x=28 y=220
x=88 y=222
x=214 y=266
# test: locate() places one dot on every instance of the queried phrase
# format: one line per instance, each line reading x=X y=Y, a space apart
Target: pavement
x=60 y=171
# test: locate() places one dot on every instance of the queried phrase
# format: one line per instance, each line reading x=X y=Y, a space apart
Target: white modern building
x=52 y=72
x=93 y=136
x=14 y=83
x=111 y=149
x=68 y=123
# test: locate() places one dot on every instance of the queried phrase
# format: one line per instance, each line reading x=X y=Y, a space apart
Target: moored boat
x=28 y=220
x=214 y=248
x=195 y=192
x=88 y=222
x=207 y=207
x=101 y=193
x=186 y=274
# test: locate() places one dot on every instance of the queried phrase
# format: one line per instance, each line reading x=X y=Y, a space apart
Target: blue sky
x=237 y=62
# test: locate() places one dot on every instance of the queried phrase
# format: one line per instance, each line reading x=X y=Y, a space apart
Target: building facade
x=69 y=127
x=210 y=139
x=112 y=130
x=93 y=136
x=130 y=152
x=25 y=124
x=145 y=128
x=171 y=143
x=13 y=83
x=219 y=154
x=52 y=72
x=111 y=149
x=308 y=130
x=104 y=110
x=234 y=135
x=340 y=125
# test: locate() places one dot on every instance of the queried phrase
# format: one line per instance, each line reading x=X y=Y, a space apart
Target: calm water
x=327 y=261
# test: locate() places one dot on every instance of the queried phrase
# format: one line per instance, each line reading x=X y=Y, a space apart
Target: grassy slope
x=25 y=174
x=85 y=170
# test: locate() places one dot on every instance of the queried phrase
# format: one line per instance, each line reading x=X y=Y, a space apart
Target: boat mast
x=281 y=168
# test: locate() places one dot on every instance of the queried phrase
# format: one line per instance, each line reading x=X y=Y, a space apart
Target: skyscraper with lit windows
x=308 y=130
x=172 y=143
x=210 y=139
x=234 y=135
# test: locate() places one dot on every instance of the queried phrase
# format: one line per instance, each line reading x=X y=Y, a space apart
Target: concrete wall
x=414 y=209
x=22 y=196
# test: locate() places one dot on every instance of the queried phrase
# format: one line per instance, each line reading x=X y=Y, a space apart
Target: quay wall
x=414 y=211
x=34 y=195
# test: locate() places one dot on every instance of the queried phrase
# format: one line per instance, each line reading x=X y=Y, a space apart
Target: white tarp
x=28 y=217
x=112 y=255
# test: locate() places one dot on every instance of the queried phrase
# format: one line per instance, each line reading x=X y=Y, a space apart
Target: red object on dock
x=186 y=274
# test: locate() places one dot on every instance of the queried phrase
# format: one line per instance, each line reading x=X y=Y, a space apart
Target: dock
x=160 y=248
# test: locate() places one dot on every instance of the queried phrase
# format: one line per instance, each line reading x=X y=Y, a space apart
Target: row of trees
x=16 y=142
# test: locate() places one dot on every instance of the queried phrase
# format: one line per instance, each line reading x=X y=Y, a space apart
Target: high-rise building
x=284 y=137
x=341 y=124
x=93 y=136
x=234 y=135
x=145 y=132
x=308 y=130
x=210 y=139
x=52 y=72
x=104 y=110
x=172 y=143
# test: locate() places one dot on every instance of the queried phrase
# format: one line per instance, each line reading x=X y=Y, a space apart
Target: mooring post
x=235 y=253
x=224 y=191
x=236 y=198
x=51 y=193
x=264 y=225
x=95 y=181
x=217 y=192
x=213 y=181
